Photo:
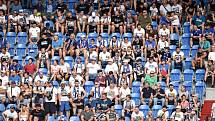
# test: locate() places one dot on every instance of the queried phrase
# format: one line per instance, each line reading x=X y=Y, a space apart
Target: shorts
x=64 y=106
x=50 y=107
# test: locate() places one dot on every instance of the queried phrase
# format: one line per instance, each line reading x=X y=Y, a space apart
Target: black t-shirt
x=158 y=92
x=137 y=45
x=40 y=114
x=147 y=92
x=61 y=7
x=80 y=103
x=83 y=7
x=165 y=56
x=71 y=43
x=44 y=43
x=117 y=19
x=105 y=8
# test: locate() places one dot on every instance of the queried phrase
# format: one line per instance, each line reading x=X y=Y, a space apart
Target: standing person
x=50 y=99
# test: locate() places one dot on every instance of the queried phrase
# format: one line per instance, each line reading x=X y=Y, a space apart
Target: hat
x=93 y=14
x=125 y=61
x=63 y=82
x=21 y=11
x=99 y=71
x=178 y=107
x=12 y=107
x=93 y=59
x=110 y=60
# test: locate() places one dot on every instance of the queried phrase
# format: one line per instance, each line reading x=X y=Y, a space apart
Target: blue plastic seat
x=69 y=60
x=82 y=59
x=27 y=58
x=136 y=98
x=11 y=37
x=155 y=110
x=55 y=84
x=118 y=109
x=118 y=36
x=186 y=50
x=92 y=36
x=32 y=50
x=105 y=36
x=188 y=75
x=188 y=63
x=154 y=25
x=186 y=27
x=55 y=58
x=78 y=35
x=144 y=109
x=2 y=108
x=74 y=118
x=88 y=86
x=163 y=85
x=22 y=38
x=170 y=109
x=44 y=71
x=51 y=118
x=200 y=90
x=200 y=74
x=175 y=85
x=2 y=34
x=185 y=40
x=194 y=50
x=172 y=48
x=19 y=58
x=9 y=105
x=20 y=50
x=188 y=86
x=49 y=24
x=127 y=119
x=128 y=35
x=136 y=87
x=175 y=75
x=11 y=50
x=174 y=37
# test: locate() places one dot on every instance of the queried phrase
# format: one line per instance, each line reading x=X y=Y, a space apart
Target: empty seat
x=188 y=86
x=175 y=85
x=92 y=36
x=136 y=98
x=105 y=36
x=155 y=110
x=194 y=50
x=32 y=50
x=55 y=58
x=188 y=63
x=20 y=50
x=78 y=36
x=175 y=75
x=11 y=37
x=74 y=118
x=49 y=25
x=186 y=50
x=144 y=109
x=11 y=50
x=154 y=25
x=118 y=109
x=200 y=89
x=69 y=60
x=188 y=75
x=185 y=40
x=170 y=109
x=200 y=74
x=136 y=87
x=186 y=27
x=117 y=35
x=172 y=48
x=22 y=38
x=88 y=86
x=60 y=35
x=44 y=71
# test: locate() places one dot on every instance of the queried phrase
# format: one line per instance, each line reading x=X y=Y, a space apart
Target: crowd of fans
x=82 y=59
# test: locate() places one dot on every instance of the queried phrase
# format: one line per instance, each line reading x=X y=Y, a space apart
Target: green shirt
x=151 y=80
x=144 y=21
x=205 y=45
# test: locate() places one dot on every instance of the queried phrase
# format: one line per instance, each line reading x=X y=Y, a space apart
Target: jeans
x=156 y=101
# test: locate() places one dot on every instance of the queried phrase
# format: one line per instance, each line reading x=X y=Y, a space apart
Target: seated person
x=178 y=59
x=57 y=46
x=195 y=35
x=147 y=94
x=171 y=95
x=128 y=106
x=198 y=62
x=164 y=72
x=210 y=72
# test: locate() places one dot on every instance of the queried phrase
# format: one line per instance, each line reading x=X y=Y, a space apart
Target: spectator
x=45 y=42
x=163 y=114
x=183 y=91
x=30 y=67
x=105 y=23
x=128 y=106
x=92 y=69
x=15 y=6
x=171 y=95
x=164 y=72
x=138 y=70
x=197 y=63
x=112 y=93
x=117 y=23
x=104 y=56
x=175 y=22
x=129 y=23
x=41 y=78
x=178 y=59
x=112 y=115
x=137 y=115
x=150 y=66
x=27 y=79
x=87 y=114
x=10 y=114
x=75 y=76
x=177 y=115
x=195 y=36
x=159 y=95
x=57 y=46
x=38 y=94
x=93 y=23
x=38 y=113
x=70 y=26
x=43 y=59
x=211 y=55
x=127 y=68
x=144 y=19
x=22 y=22
x=13 y=92
x=151 y=78
x=147 y=94
x=165 y=7
x=81 y=21
x=210 y=72
x=60 y=22
x=204 y=44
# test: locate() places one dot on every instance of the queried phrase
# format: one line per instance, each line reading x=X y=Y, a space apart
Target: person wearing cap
x=163 y=114
x=13 y=92
x=171 y=95
x=178 y=59
x=10 y=114
x=177 y=115
x=104 y=56
x=127 y=68
x=64 y=93
x=38 y=113
x=93 y=23
x=91 y=69
x=12 y=21
x=57 y=46
x=111 y=66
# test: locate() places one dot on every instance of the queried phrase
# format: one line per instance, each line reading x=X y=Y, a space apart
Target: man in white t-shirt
x=175 y=22
x=171 y=95
x=178 y=59
x=41 y=78
x=151 y=66
x=139 y=31
x=112 y=92
x=64 y=94
x=111 y=67
x=177 y=8
x=34 y=33
x=76 y=90
x=211 y=55
x=3 y=6
x=177 y=115
x=10 y=114
x=77 y=77
x=162 y=43
x=50 y=99
x=165 y=8
x=137 y=115
x=164 y=31
x=13 y=92
x=104 y=56
x=93 y=23
x=92 y=69
x=163 y=113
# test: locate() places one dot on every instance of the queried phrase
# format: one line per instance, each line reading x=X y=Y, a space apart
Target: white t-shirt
x=104 y=56
x=13 y=18
x=163 y=32
x=55 y=69
x=64 y=91
x=111 y=93
x=136 y=116
x=9 y=114
x=72 y=79
x=139 y=33
x=2 y=19
x=161 y=114
x=65 y=67
x=34 y=31
x=151 y=67
x=124 y=68
x=113 y=68
x=14 y=91
x=42 y=80
x=211 y=56
x=106 y=20
x=154 y=11
x=171 y=94
x=124 y=92
x=125 y=45
x=75 y=91
x=6 y=55
x=5 y=80
x=93 y=20
x=29 y=79
x=94 y=54
x=178 y=56
x=37 y=19
x=54 y=93
x=177 y=8
x=166 y=9
x=162 y=44
x=93 y=68
x=177 y=116
x=176 y=21
x=79 y=68
x=3 y=7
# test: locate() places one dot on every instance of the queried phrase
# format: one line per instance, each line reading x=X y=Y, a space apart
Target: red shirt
x=30 y=68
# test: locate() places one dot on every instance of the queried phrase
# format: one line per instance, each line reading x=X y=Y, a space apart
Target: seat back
x=188 y=75
x=144 y=109
x=22 y=38
x=186 y=50
x=155 y=110
x=88 y=86
x=136 y=87
x=136 y=98
x=200 y=74
x=118 y=109
x=175 y=75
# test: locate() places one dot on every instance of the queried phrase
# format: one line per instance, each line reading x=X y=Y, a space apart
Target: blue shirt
x=197 y=32
x=198 y=20
x=16 y=68
x=163 y=20
x=150 y=43
x=15 y=78
x=57 y=44
x=208 y=31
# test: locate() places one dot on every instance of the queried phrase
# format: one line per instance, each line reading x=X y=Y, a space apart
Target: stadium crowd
x=98 y=60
